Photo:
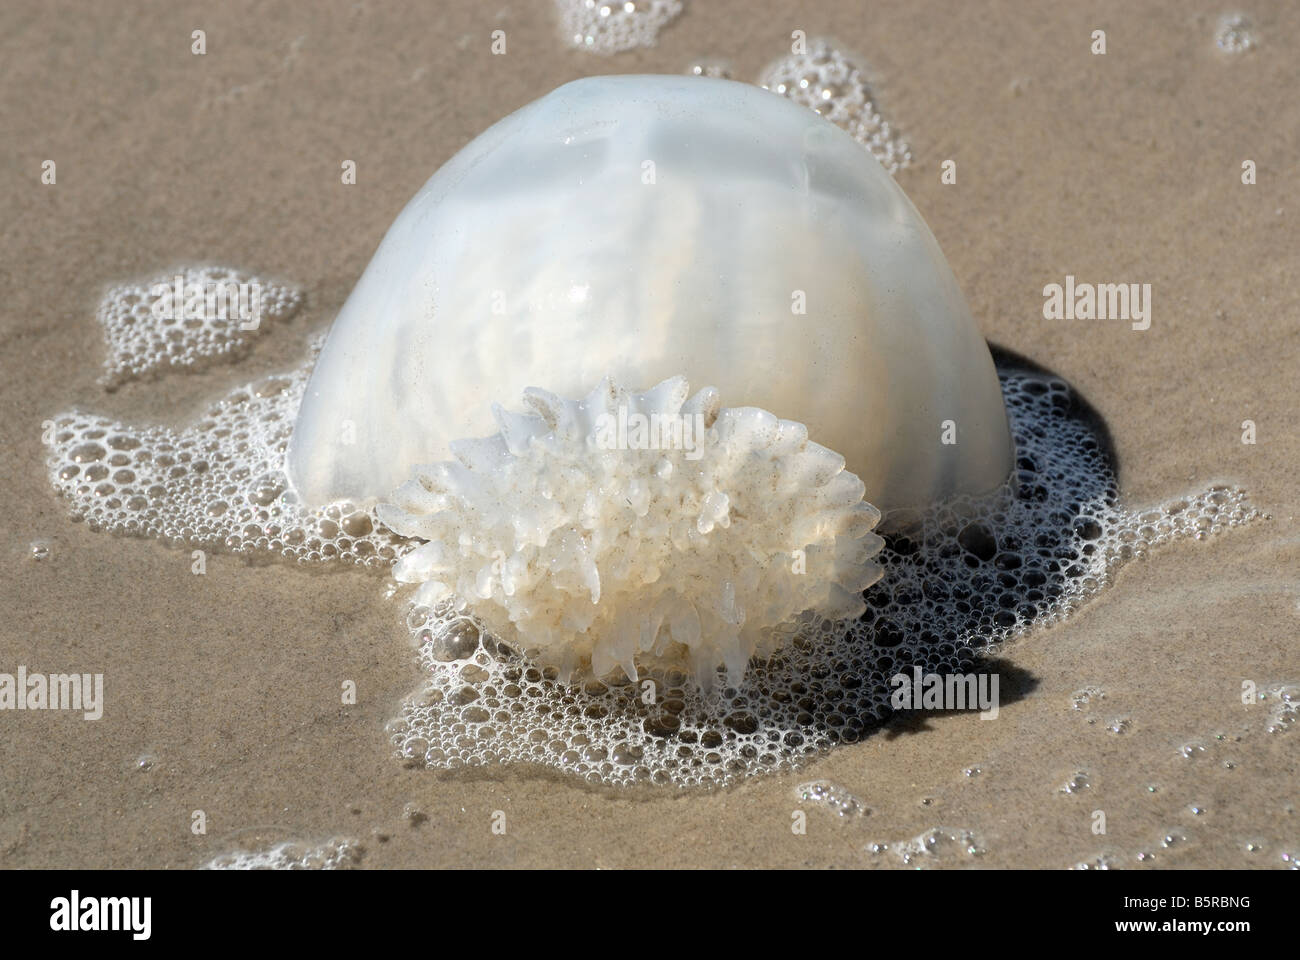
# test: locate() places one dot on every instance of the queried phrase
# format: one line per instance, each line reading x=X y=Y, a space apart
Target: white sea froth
x=965 y=578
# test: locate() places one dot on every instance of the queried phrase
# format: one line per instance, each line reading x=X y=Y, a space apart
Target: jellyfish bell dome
x=642 y=228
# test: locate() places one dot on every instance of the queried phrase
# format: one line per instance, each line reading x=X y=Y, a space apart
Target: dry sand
x=1123 y=167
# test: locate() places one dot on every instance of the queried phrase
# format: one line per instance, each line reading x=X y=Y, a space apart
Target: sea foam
x=960 y=580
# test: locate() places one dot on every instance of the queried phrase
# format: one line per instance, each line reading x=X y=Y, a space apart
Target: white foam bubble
x=219 y=483
x=839 y=800
x=1103 y=861
x=1234 y=33
x=612 y=26
x=1077 y=783
x=1085 y=697
x=710 y=67
x=140 y=342
x=1283 y=700
x=339 y=853
x=935 y=847
x=825 y=80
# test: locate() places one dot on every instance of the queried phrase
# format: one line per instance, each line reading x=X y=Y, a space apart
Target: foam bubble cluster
x=833 y=797
x=630 y=527
x=220 y=483
x=826 y=81
x=935 y=847
x=962 y=579
x=188 y=317
x=1284 y=706
x=341 y=853
x=710 y=67
x=612 y=26
x=1234 y=33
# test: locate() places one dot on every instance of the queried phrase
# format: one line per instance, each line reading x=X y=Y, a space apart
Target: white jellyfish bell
x=590 y=257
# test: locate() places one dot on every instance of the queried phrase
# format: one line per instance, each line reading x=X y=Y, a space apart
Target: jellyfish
x=510 y=380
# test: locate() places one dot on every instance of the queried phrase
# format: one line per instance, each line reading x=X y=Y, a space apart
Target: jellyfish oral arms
x=688 y=538
x=623 y=232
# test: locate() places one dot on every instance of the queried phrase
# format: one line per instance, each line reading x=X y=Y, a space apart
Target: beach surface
x=222 y=691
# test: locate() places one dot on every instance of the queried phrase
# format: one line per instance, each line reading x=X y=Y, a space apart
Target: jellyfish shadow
x=1079 y=409
x=959 y=582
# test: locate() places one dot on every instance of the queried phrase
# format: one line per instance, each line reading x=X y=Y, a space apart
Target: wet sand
x=1117 y=168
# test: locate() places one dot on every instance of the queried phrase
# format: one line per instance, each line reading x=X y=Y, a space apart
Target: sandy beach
x=222 y=690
